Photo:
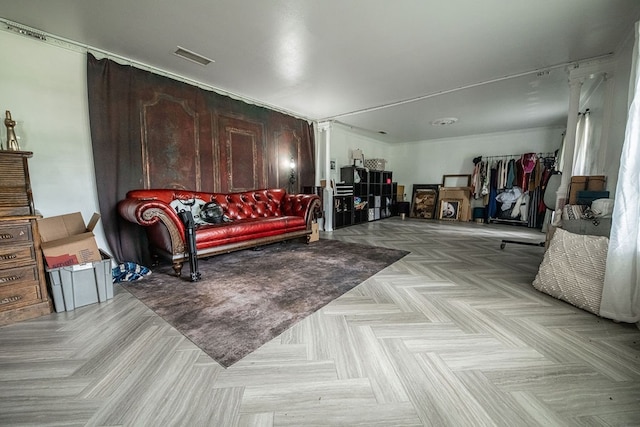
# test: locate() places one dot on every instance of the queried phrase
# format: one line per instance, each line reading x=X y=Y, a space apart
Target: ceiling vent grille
x=26 y=32
x=192 y=56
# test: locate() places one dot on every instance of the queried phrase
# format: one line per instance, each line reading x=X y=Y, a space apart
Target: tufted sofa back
x=241 y=205
x=251 y=204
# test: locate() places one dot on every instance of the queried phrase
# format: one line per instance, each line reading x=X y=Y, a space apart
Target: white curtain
x=621 y=293
x=561 y=153
x=583 y=156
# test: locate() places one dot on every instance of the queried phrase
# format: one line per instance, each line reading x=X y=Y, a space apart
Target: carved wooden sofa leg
x=177 y=267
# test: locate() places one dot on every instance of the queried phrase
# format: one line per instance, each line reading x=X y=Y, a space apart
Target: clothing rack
x=527 y=201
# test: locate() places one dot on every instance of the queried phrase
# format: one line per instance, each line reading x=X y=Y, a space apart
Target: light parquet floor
x=451 y=335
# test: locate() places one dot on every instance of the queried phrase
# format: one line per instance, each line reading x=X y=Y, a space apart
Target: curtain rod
x=548 y=154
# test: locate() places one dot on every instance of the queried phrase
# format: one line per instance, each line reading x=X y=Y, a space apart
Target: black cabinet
x=343 y=206
x=373 y=194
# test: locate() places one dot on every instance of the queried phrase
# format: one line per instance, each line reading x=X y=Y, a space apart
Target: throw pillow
x=192 y=205
x=571 y=212
x=212 y=213
x=573 y=269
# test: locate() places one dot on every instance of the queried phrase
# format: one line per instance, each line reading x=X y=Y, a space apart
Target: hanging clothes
x=476 y=180
x=503 y=174
x=511 y=174
x=524 y=165
x=535 y=219
x=486 y=185
x=512 y=187
x=492 y=206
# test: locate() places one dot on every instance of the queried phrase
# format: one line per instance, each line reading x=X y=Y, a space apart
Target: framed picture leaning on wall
x=424 y=201
x=450 y=209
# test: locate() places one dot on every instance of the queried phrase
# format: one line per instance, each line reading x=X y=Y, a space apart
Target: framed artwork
x=424 y=201
x=456 y=180
x=450 y=209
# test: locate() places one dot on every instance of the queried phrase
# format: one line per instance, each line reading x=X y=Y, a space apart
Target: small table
x=403 y=209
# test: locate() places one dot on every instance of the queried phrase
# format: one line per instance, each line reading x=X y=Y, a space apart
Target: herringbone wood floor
x=451 y=335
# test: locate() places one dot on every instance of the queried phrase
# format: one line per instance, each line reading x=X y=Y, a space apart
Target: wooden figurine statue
x=12 y=139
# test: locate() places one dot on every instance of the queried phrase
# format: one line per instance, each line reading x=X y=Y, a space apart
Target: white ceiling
x=377 y=65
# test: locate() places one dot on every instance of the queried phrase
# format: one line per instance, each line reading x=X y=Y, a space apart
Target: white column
x=327 y=192
x=603 y=149
x=317 y=150
x=577 y=76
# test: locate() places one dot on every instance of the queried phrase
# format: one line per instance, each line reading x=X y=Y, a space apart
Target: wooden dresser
x=23 y=285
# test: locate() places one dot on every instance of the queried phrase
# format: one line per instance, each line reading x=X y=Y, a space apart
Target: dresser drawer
x=12 y=233
x=14 y=171
x=19 y=296
x=17 y=255
x=18 y=275
x=14 y=201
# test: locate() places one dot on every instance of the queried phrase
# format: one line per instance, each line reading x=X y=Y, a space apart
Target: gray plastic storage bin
x=82 y=284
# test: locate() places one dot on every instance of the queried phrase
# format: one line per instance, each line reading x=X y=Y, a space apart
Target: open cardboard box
x=66 y=240
x=315 y=232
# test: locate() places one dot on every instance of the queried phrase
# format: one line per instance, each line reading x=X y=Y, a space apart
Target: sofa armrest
x=304 y=205
x=148 y=212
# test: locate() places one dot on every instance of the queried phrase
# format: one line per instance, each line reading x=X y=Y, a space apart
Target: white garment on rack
x=521 y=208
x=508 y=197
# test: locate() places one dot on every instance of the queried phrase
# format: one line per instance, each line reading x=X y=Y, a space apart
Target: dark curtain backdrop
x=150 y=131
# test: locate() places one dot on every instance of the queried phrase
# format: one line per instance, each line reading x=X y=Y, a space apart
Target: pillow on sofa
x=572 y=212
x=192 y=205
x=573 y=269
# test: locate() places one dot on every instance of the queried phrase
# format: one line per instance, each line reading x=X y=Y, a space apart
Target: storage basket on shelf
x=375 y=164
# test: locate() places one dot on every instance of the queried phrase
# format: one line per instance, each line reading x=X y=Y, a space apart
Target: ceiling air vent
x=192 y=56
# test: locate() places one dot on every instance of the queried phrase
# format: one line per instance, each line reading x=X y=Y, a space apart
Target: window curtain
x=561 y=153
x=583 y=157
x=621 y=293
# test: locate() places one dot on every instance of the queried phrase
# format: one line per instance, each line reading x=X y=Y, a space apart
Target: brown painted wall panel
x=242 y=154
x=170 y=144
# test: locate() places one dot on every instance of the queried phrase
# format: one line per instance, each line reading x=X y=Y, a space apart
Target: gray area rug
x=246 y=298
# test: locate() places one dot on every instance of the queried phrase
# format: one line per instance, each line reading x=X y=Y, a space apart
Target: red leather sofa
x=254 y=218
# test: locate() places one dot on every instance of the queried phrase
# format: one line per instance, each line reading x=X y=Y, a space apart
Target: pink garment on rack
x=524 y=166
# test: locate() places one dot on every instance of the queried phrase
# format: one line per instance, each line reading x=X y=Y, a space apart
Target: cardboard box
x=67 y=241
x=585 y=183
x=81 y=284
x=596 y=183
x=461 y=194
x=578 y=183
x=315 y=233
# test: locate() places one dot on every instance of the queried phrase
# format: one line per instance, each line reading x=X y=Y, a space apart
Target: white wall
x=45 y=89
x=344 y=140
x=425 y=162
